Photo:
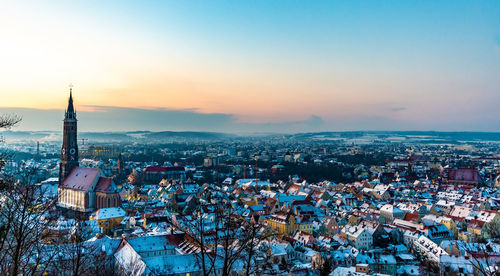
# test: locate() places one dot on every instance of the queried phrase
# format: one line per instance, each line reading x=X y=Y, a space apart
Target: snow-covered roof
x=109 y=213
x=154 y=243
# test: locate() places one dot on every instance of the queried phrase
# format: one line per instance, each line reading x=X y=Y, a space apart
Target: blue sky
x=430 y=65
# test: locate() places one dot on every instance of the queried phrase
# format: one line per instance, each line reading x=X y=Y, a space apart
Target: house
x=428 y=249
x=358 y=236
x=459 y=212
x=109 y=218
x=391 y=212
x=438 y=233
x=385 y=264
x=304 y=223
x=277 y=253
x=155 y=174
x=129 y=261
x=304 y=238
x=282 y=222
x=331 y=227
x=456 y=265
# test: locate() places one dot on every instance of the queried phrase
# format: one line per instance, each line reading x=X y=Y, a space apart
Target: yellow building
x=287 y=223
x=109 y=218
x=282 y=222
x=304 y=224
x=306 y=227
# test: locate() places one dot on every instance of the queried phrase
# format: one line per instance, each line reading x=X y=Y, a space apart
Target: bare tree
x=254 y=234
x=482 y=259
x=80 y=254
x=325 y=265
x=232 y=239
x=6 y=122
x=23 y=220
x=205 y=236
x=9 y=120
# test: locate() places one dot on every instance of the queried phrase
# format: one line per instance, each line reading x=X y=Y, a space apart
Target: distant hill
x=117 y=136
x=450 y=136
x=30 y=135
x=188 y=135
x=172 y=136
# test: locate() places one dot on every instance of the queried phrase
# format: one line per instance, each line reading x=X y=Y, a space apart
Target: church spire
x=70 y=111
x=69 y=150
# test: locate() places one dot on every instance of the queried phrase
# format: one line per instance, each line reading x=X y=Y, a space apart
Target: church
x=81 y=189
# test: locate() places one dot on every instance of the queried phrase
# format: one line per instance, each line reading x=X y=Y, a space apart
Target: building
x=86 y=189
x=358 y=236
x=69 y=150
x=155 y=174
x=283 y=223
x=391 y=212
x=461 y=176
x=81 y=189
x=428 y=249
x=439 y=233
x=109 y=218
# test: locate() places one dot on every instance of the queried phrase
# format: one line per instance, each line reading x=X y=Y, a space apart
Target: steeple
x=69 y=150
x=70 y=111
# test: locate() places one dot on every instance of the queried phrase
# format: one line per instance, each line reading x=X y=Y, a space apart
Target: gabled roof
x=105 y=185
x=466 y=174
x=81 y=178
x=155 y=243
x=109 y=213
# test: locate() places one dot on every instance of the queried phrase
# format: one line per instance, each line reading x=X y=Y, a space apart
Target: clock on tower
x=69 y=150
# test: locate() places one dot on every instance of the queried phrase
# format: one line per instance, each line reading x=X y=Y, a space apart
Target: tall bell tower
x=69 y=150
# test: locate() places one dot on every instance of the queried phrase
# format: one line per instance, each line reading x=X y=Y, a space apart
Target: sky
x=258 y=66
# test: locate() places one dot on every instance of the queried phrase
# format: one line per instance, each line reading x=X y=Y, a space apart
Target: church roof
x=70 y=111
x=81 y=178
x=105 y=185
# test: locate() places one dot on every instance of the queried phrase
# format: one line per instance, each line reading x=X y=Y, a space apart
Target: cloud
x=109 y=118
x=124 y=118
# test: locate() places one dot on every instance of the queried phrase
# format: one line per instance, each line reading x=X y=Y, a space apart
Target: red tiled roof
x=294 y=187
x=463 y=174
x=81 y=178
x=175 y=239
x=411 y=217
x=474 y=223
x=105 y=184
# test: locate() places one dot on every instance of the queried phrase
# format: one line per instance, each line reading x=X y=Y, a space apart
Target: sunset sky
x=253 y=65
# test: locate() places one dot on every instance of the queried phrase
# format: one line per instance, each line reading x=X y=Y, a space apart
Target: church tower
x=69 y=151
